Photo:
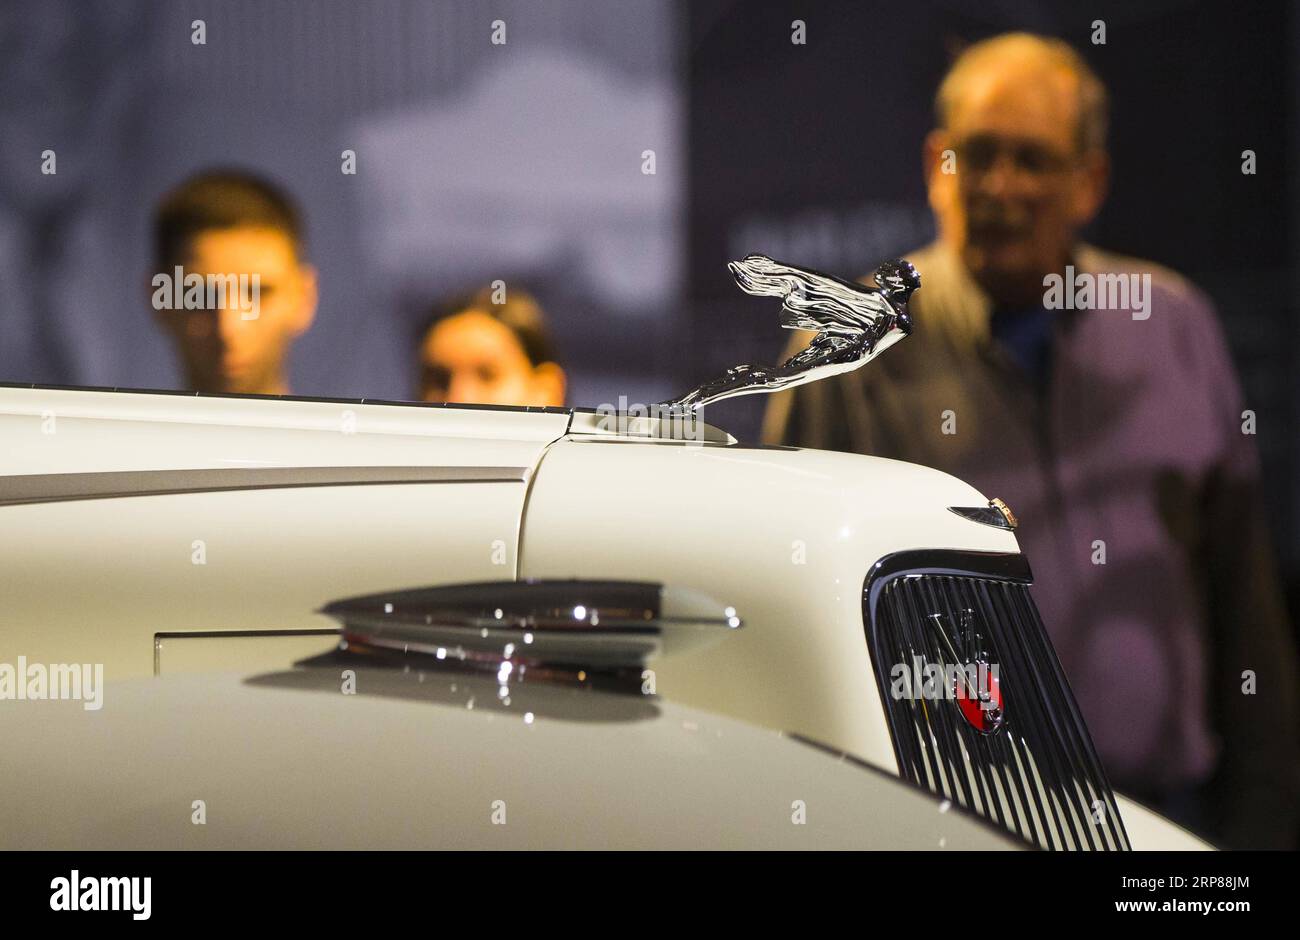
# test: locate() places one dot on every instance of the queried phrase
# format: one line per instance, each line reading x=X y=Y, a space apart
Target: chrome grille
x=1037 y=773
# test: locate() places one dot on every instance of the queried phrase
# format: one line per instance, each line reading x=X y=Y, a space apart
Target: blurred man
x=1106 y=411
x=484 y=353
x=232 y=287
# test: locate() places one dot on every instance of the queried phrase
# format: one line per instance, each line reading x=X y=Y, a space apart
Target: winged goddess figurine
x=854 y=324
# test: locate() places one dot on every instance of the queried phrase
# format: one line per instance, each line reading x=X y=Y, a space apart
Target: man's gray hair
x=1094 y=104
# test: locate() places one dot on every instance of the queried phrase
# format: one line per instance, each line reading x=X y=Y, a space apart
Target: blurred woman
x=478 y=352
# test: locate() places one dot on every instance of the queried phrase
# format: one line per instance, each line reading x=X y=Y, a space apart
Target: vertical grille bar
x=1036 y=774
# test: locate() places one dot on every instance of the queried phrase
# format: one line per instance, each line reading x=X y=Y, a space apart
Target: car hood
x=434 y=761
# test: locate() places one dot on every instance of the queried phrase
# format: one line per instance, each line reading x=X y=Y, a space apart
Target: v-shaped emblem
x=977 y=690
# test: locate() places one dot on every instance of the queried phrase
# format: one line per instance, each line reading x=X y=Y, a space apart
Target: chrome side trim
x=25 y=489
x=595 y=622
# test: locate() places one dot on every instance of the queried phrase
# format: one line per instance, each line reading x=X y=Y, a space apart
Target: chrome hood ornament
x=854 y=324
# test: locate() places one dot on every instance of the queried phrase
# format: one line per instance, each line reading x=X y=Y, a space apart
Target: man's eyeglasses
x=981 y=152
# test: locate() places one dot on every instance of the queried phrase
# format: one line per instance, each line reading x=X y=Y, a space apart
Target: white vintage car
x=570 y=573
x=196 y=548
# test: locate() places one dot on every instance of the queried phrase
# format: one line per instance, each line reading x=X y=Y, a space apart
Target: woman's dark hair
x=520 y=314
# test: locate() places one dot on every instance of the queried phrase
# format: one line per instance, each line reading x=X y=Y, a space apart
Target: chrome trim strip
x=25 y=489
x=536 y=627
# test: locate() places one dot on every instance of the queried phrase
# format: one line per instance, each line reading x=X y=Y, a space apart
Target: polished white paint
x=785 y=536
x=60 y=431
x=1149 y=831
x=94 y=580
x=287 y=768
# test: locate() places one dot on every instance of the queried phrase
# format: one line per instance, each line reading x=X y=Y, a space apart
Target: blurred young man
x=482 y=353
x=232 y=287
x=1095 y=394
